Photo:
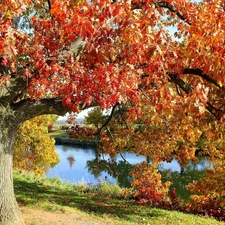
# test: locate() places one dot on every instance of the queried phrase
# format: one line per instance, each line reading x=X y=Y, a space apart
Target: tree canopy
x=107 y=52
x=164 y=60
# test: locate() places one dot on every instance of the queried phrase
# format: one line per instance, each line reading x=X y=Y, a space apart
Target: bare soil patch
x=41 y=217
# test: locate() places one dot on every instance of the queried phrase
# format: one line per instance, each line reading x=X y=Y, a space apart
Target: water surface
x=79 y=164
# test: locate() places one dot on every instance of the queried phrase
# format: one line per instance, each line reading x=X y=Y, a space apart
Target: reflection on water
x=71 y=160
x=181 y=177
x=87 y=165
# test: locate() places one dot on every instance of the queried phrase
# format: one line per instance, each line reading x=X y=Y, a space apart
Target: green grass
x=58 y=133
x=103 y=200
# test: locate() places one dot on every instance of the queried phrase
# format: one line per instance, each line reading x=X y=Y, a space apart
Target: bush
x=148 y=184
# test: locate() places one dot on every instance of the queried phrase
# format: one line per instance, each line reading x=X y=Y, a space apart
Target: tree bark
x=9 y=209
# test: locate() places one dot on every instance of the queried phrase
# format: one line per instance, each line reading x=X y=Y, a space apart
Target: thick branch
x=180 y=83
x=172 y=9
x=27 y=109
x=161 y=4
x=199 y=73
x=13 y=91
x=187 y=89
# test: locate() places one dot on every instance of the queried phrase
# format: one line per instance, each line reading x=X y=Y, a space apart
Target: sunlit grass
x=51 y=194
x=103 y=189
x=59 y=133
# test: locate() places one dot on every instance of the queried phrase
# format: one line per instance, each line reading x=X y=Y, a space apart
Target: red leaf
x=3 y=60
x=116 y=11
x=159 y=107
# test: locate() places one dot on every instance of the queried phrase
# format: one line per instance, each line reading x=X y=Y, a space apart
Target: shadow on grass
x=33 y=193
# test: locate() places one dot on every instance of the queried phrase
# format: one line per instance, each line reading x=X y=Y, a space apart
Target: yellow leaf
x=220 y=84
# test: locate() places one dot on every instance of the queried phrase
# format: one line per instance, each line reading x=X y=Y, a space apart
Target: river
x=85 y=164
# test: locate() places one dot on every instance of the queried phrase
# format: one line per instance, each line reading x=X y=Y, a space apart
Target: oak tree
x=59 y=56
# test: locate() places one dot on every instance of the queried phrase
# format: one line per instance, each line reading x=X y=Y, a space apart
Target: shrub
x=148 y=184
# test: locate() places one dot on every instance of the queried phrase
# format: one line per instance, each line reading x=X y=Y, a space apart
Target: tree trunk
x=9 y=209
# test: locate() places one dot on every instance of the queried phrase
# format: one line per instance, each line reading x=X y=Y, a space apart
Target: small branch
x=110 y=132
x=49 y=5
x=124 y=159
x=108 y=119
x=215 y=112
x=123 y=118
x=146 y=96
x=178 y=89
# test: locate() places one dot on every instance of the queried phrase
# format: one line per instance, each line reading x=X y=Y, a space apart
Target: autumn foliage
x=34 y=150
x=159 y=65
x=147 y=182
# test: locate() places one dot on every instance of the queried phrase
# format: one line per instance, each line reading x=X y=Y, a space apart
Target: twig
x=124 y=159
x=110 y=132
x=123 y=118
x=108 y=119
x=49 y=5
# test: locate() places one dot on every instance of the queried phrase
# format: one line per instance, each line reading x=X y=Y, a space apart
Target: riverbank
x=70 y=141
x=62 y=138
x=50 y=201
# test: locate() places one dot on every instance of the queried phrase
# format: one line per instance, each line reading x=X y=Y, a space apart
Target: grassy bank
x=104 y=200
x=62 y=138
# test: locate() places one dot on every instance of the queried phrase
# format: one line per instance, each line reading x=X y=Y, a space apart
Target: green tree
x=95 y=117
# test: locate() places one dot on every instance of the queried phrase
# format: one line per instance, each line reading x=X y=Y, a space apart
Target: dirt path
x=40 y=217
